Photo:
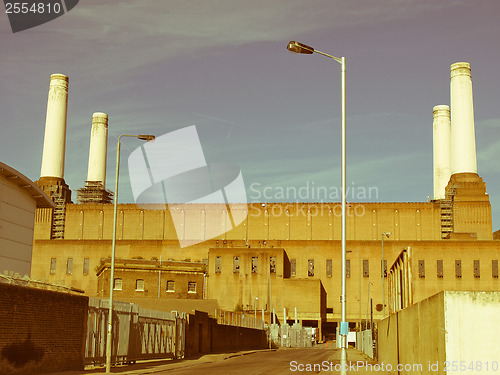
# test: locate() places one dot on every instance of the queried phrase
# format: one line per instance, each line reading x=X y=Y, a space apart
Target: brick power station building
x=281 y=256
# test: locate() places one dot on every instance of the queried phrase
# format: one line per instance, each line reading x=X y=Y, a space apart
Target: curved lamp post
x=109 y=339
x=297 y=47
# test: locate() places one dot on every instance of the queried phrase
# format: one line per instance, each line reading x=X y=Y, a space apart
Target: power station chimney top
x=460 y=69
x=441 y=110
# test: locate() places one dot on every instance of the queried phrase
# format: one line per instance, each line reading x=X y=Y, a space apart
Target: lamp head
x=387 y=234
x=297 y=47
x=146 y=137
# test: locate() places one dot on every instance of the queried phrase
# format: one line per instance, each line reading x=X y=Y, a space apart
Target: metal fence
x=137 y=333
x=232 y=318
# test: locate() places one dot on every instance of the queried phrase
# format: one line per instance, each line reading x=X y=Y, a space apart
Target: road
x=269 y=362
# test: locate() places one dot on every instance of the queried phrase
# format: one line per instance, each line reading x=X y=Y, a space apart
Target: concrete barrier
x=448 y=333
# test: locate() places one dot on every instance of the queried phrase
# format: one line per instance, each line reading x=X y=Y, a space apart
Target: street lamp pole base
x=343 y=358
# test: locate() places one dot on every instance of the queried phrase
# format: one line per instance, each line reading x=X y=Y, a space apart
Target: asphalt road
x=268 y=362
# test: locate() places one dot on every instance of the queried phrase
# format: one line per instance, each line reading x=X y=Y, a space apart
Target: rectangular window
x=236 y=264
x=494 y=268
x=328 y=268
x=458 y=268
x=439 y=266
x=310 y=267
x=170 y=286
x=366 y=268
x=192 y=287
x=52 y=266
x=69 y=266
x=218 y=264
x=421 y=268
x=477 y=271
x=255 y=263
x=117 y=284
x=347 y=268
x=383 y=268
x=139 y=285
x=86 y=266
x=293 y=267
x=272 y=265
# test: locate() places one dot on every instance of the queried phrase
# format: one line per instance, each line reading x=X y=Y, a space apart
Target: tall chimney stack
x=463 y=140
x=55 y=128
x=442 y=149
x=98 y=148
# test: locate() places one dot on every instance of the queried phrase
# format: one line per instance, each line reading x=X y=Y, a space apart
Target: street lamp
x=109 y=338
x=297 y=47
x=385 y=234
x=255 y=307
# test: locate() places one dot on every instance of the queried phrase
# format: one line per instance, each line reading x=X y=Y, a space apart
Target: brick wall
x=41 y=331
x=204 y=335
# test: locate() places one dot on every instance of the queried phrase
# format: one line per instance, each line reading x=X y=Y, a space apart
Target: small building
x=264 y=279
x=19 y=199
x=152 y=278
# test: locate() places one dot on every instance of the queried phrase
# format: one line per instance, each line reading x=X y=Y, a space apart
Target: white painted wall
x=17 y=216
x=473 y=331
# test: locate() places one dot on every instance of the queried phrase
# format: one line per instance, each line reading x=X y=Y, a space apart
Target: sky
x=222 y=65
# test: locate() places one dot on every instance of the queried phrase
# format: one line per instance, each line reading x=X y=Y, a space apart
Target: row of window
x=69 y=266
x=458 y=268
x=310 y=267
x=140 y=285
x=254 y=264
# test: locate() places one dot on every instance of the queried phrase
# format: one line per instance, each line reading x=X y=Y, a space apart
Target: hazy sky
x=158 y=66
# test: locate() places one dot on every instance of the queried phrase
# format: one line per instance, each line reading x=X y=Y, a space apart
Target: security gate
x=138 y=334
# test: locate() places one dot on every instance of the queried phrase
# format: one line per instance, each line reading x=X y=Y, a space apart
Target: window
x=69 y=266
x=117 y=284
x=293 y=267
x=329 y=268
x=218 y=264
x=439 y=266
x=255 y=261
x=366 y=268
x=170 y=286
x=494 y=268
x=458 y=268
x=192 y=287
x=86 y=266
x=52 y=266
x=477 y=271
x=310 y=267
x=421 y=268
x=139 y=285
x=272 y=264
x=383 y=268
x=236 y=264
x=347 y=268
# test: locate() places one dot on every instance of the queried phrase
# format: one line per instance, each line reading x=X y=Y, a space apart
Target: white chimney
x=463 y=140
x=98 y=148
x=442 y=149
x=55 y=128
